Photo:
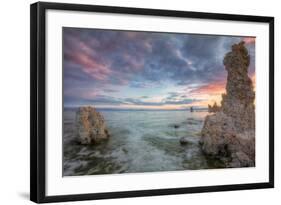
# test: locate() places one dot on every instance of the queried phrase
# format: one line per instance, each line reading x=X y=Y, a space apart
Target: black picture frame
x=38 y=101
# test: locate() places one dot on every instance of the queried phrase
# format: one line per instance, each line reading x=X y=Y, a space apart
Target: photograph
x=135 y=102
x=144 y=101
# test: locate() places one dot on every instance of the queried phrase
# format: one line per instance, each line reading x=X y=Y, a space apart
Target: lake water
x=141 y=141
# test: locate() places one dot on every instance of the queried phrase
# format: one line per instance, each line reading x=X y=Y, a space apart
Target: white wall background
x=14 y=100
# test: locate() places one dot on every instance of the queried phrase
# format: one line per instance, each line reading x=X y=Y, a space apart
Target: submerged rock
x=184 y=141
x=176 y=126
x=230 y=132
x=90 y=126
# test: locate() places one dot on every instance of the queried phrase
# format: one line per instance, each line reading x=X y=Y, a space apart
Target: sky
x=145 y=70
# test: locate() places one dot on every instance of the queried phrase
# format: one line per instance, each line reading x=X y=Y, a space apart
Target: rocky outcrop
x=90 y=126
x=214 y=108
x=230 y=132
x=238 y=102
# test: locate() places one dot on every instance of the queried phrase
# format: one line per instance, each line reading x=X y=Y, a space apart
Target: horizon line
x=140 y=109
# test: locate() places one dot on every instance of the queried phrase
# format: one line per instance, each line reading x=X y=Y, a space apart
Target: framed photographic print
x=129 y=102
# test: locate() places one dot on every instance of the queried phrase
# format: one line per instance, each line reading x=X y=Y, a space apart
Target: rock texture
x=230 y=132
x=90 y=126
x=238 y=103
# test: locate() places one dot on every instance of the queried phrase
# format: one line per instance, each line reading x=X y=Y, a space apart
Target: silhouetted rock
x=90 y=126
x=230 y=132
x=214 y=108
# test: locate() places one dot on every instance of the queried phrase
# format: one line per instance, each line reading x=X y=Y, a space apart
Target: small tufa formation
x=191 y=109
x=214 y=108
x=90 y=126
x=230 y=132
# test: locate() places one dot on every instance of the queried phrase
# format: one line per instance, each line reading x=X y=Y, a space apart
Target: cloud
x=79 y=54
x=249 y=40
x=97 y=100
x=144 y=97
x=108 y=90
x=109 y=100
x=215 y=88
x=107 y=60
x=142 y=57
x=104 y=55
x=165 y=101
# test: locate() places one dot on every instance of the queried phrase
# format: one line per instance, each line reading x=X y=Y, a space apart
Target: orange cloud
x=211 y=93
x=210 y=89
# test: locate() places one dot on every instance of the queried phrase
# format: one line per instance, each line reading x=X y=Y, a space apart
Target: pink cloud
x=84 y=56
x=95 y=69
x=249 y=40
